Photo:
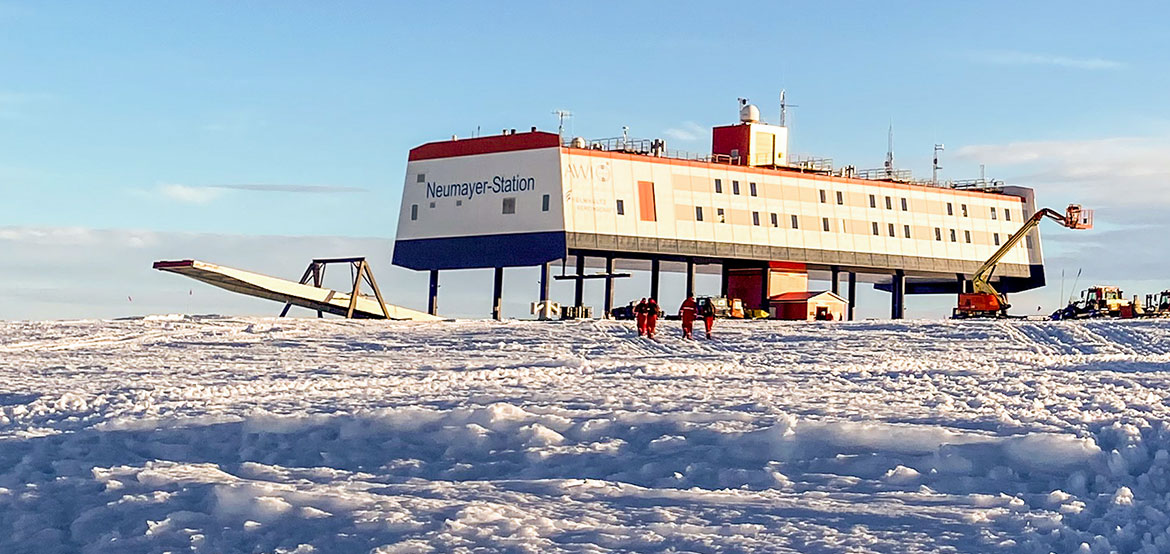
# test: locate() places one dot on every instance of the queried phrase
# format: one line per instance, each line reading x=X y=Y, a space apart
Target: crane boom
x=984 y=300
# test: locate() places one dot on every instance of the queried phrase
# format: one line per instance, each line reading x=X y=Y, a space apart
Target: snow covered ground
x=299 y=435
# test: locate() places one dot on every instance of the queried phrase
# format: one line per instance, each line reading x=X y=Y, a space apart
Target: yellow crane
x=984 y=300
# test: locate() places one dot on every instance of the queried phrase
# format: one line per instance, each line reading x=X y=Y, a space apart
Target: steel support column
x=898 y=293
x=765 y=290
x=545 y=270
x=498 y=295
x=835 y=286
x=655 y=269
x=852 y=290
x=579 y=289
x=433 y=299
x=725 y=280
x=608 y=287
x=690 y=277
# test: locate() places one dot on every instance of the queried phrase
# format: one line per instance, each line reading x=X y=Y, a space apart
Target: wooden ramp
x=351 y=304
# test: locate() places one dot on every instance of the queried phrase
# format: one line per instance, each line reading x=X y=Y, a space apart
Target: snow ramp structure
x=314 y=297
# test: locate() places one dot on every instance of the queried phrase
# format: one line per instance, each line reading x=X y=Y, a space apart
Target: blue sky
x=223 y=128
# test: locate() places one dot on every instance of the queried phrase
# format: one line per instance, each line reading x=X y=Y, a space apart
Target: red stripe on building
x=484 y=145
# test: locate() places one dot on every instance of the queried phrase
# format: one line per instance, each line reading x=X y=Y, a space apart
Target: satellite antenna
x=562 y=115
x=784 y=105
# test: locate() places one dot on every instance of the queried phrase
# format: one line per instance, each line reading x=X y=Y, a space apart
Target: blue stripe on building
x=480 y=251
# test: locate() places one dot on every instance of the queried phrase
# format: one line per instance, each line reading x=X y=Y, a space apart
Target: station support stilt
x=433 y=298
x=898 y=294
x=690 y=277
x=852 y=294
x=498 y=295
x=655 y=270
x=608 y=286
x=579 y=290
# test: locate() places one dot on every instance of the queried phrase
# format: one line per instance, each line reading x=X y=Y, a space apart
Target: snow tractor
x=1157 y=305
x=984 y=300
x=731 y=308
x=1098 y=301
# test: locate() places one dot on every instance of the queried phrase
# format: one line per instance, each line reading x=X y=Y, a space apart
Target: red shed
x=808 y=305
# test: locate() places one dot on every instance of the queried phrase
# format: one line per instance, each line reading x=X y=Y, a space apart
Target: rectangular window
x=795 y=222
x=993 y=216
x=825 y=223
x=954 y=238
x=544 y=203
x=905 y=205
x=719 y=186
x=414 y=212
x=752 y=188
x=967 y=236
x=995 y=237
x=906 y=230
x=823 y=196
x=422 y=177
x=698 y=213
x=1007 y=214
x=775 y=220
x=875 y=229
x=964 y=207
x=621 y=207
x=432 y=204
x=719 y=215
x=890 y=228
x=1028 y=241
x=950 y=209
x=937 y=234
x=735 y=187
x=889 y=203
x=872 y=201
x=510 y=205
x=755 y=218
x=840 y=198
x=460 y=202
x=646 y=209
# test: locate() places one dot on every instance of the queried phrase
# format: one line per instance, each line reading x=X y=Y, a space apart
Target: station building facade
x=531 y=198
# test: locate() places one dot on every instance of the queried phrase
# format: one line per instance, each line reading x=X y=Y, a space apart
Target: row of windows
x=794 y=221
x=873 y=203
x=752 y=191
x=508 y=206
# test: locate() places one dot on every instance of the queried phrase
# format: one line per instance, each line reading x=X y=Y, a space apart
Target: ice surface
x=286 y=435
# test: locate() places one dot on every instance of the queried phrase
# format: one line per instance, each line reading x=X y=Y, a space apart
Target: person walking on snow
x=652 y=314
x=708 y=313
x=640 y=312
x=687 y=313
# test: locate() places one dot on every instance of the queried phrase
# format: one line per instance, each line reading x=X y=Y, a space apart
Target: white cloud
x=206 y=194
x=1119 y=172
x=1012 y=57
x=687 y=132
x=311 y=189
x=189 y=195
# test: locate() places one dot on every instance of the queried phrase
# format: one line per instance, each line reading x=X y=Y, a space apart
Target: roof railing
x=657 y=148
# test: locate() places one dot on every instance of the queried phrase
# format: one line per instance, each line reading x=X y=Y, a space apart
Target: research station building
x=766 y=222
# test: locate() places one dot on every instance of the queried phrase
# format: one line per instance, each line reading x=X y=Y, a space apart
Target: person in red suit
x=652 y=313
x=708 y=313
x=687 y=312
x=640 y=313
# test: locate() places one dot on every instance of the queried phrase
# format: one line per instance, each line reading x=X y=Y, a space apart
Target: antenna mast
x=934 y=171
x=784 y=105
x=562 y=115
x=890 y=153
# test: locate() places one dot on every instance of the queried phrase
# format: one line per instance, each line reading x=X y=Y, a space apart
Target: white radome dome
x=749 y=113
